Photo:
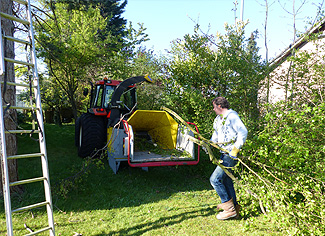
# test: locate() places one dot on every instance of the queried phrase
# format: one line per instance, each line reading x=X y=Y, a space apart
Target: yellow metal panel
x=159 y=124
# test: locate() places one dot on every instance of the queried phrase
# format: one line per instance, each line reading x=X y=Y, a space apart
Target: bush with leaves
x=308 y=82
x=287 y=158
x=204 y=66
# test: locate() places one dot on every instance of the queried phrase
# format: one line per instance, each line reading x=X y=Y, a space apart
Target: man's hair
x=221 y=101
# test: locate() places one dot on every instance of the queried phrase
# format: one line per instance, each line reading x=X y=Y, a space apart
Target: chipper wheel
x=91 y=134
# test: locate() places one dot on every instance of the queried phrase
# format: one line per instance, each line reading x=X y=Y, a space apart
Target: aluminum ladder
x=35 y=107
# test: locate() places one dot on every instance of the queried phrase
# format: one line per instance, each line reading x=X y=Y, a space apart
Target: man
x=230 y=133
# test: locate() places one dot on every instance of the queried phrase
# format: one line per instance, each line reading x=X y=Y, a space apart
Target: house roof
x=299 y=43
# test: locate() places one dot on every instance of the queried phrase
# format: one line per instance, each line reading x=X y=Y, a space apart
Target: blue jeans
x=222 y=183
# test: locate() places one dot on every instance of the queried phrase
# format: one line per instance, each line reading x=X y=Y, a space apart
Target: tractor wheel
x=76 y=130
x=92 y=134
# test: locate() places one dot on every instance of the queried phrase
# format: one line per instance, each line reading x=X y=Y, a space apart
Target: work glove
x=234 y=152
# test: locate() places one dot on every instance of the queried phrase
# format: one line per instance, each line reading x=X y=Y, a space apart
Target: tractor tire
x=76 y=131
x=92 y=134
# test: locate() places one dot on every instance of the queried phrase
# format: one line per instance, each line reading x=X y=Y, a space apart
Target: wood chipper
x=143 y=138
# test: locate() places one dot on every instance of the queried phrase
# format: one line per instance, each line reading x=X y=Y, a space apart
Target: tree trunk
x=9 y=94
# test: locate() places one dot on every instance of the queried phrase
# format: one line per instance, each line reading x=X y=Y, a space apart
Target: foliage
x=79 y=47
x=148 y=145
x=151 y=96
x=204 y=66
x=110 y=10
x=71 y=48
x=308 y=85
x=283 y=164
x=300 y=77
x=288 y=157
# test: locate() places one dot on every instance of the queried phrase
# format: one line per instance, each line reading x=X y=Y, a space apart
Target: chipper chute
x=159 y=125
x=151 y=138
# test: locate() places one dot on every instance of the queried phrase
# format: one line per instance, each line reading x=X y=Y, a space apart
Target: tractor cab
x=101 y=96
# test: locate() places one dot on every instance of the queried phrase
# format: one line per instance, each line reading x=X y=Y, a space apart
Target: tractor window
x=108 y=95
x=98 y=96
x=128 y=98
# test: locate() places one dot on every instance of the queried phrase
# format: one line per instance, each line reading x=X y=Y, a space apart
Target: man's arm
x=241 y=131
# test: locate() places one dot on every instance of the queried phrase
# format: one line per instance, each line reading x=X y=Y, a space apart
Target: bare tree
x=267 y=5
x=294 y=13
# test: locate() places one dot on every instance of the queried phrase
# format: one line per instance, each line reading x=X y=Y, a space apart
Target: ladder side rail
x=2 y=53
x=4 y=162
x=39 y=115
x=5 y=173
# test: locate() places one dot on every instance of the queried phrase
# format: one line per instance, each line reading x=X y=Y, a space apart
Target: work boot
x=222 y=206
x=237 y=208
x=229 y=210
x=219 y=206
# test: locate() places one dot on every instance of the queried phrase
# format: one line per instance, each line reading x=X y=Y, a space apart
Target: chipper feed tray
x=151 y=138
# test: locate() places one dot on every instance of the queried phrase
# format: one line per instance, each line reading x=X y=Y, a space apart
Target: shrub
x=288 y=159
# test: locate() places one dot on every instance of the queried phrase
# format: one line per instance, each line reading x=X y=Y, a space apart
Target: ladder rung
x=39 y=231
x=27 y=181
x=21 y=156
x=22 y=131
x=10 y=17
x=17 y=84
x=17 y=40
x=23 y=108
x=30 y=207
x=21 y=2
x=19 y=62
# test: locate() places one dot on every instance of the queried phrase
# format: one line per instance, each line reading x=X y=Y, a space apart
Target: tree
x=150 y=96
x=307 y=70
x=110 y=10
x=71 y=48
x=72 y=43
x=9 y=95
x=204 y=66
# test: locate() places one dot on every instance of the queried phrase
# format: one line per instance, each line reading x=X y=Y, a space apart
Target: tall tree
x=111 y=10
x=72 y=49
x=204 y=66
x=9 y=95
x=289 y=84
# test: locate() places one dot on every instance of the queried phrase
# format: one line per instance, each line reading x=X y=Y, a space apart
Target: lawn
x=162 y=201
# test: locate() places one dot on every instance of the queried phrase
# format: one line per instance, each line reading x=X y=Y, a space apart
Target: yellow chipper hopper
x=150 y=138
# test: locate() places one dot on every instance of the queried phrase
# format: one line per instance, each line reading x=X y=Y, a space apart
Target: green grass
x=162 y=201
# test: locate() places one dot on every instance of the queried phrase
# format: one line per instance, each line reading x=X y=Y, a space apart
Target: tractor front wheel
x=92 y=135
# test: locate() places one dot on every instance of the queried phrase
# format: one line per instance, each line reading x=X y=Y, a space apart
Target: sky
x=167 y=20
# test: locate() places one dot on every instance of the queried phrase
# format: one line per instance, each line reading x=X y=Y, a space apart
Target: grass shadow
x=162 y=222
